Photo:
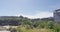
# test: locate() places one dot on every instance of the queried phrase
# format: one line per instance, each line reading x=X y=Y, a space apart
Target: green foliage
x=31 y=25
x=50 y=25
x=57 y=27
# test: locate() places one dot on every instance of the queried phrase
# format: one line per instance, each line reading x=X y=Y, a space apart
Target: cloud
x=38 y=15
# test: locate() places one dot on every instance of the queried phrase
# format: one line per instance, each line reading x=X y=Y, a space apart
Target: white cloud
x=38 y=15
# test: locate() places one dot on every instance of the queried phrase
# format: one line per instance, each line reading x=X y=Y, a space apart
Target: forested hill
x=15 y=20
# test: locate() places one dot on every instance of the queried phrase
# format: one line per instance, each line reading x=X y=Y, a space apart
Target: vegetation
x=32 y=25
x=40 y=27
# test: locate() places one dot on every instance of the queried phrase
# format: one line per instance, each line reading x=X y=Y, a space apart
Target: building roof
x=57 y=10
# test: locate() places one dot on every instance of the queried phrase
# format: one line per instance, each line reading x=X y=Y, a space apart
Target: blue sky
x=28 y=8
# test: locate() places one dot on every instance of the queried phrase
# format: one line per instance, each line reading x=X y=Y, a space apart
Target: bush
x=50 y=25
x=57 y=28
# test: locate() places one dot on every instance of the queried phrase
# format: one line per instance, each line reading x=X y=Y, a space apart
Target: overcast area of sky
x=29 y=8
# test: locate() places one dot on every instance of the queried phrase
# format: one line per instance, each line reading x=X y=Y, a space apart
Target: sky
x=29 y=8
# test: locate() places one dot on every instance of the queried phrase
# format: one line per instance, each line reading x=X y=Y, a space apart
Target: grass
x=23 y=29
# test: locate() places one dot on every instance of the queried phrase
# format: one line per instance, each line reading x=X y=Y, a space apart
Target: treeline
x=15 y=20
